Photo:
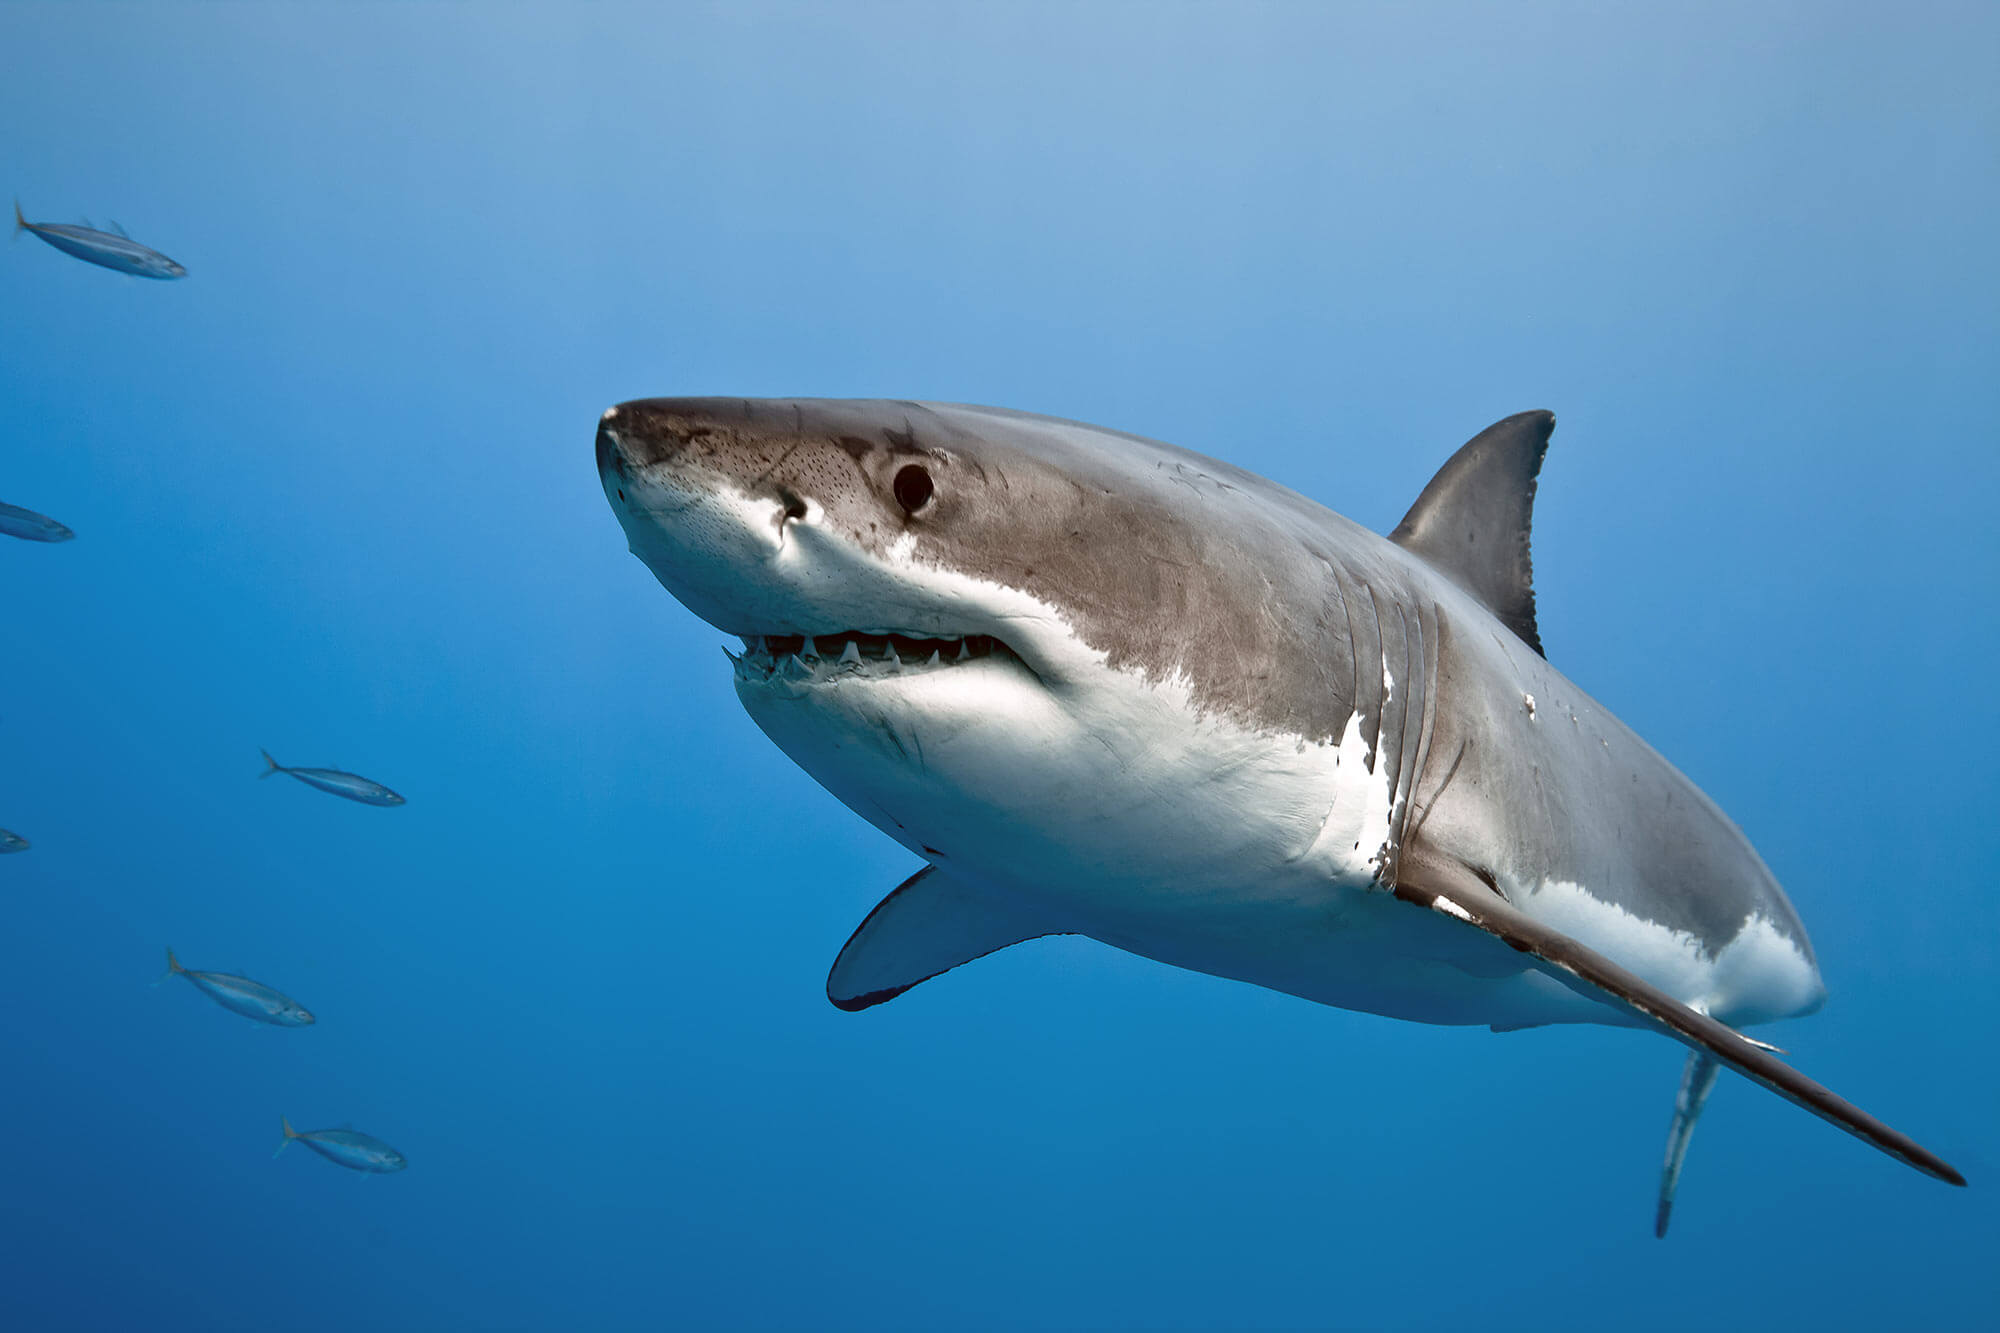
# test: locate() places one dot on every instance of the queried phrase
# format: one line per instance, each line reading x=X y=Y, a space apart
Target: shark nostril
x=794 y=506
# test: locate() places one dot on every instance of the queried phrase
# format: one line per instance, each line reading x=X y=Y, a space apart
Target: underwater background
x=334 y=496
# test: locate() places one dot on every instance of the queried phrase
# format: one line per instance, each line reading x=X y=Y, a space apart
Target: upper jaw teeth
x=802 y=657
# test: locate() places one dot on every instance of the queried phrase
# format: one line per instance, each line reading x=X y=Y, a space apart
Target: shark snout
x=711 y=435
x=610 y=450
x=714 y=537
x=781 y=518
x=635 y=436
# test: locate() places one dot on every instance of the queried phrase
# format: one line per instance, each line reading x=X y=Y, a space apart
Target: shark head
x=818 y=531
x=961 y=619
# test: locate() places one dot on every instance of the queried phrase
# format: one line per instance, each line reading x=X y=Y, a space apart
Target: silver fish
x=240 y=995
x=30 y=526
x=351 y=785
x=106 y=249
x=349 y=1147
x=12 y=842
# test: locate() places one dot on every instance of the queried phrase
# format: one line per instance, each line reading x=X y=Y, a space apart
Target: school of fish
x=239 y=995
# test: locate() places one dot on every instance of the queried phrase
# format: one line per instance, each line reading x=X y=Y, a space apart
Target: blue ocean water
x=334 y=497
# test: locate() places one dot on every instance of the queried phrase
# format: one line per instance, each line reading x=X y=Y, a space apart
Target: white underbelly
x=1175 y=836
x=1179 y=838
x=1351 y=948
x=1757 y=977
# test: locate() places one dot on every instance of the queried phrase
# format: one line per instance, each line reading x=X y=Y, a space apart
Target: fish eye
x=913 y=487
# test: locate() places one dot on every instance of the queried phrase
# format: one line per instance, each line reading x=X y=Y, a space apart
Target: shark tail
x=174 y=967
x=20 y=223
x=290 y=1134
x=271 y=765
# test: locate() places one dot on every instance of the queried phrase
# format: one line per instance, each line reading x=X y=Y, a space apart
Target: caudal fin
x=173 y=967
x=290 y=1134
x=273 y=765
x=20 y=223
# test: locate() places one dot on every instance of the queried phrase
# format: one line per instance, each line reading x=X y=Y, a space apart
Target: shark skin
x=1110 y=687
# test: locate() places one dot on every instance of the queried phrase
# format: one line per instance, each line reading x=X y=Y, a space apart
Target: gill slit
x=1382 y=691
x=1413 y=755
x=1416 y=826
x=1412 y=710
x=1353 y=662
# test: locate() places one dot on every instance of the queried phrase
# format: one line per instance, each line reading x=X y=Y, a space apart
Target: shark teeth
x=808 y=658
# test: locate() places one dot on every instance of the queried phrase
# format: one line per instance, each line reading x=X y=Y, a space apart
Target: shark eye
x=913 y=487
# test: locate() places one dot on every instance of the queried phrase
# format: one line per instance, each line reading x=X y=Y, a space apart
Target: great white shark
x=1110 y=687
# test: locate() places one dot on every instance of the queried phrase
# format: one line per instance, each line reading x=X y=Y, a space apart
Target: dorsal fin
x=1472 y=521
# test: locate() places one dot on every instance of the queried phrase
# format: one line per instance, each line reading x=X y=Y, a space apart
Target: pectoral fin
x=930 y=924
x=1454 y=890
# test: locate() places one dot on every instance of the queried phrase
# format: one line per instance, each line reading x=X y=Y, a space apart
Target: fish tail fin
x=20 y=223
x=271 y=765
x=173 y=967
x=290 y=1134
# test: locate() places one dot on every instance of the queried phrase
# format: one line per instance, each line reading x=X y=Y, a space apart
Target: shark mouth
x=811 y=658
